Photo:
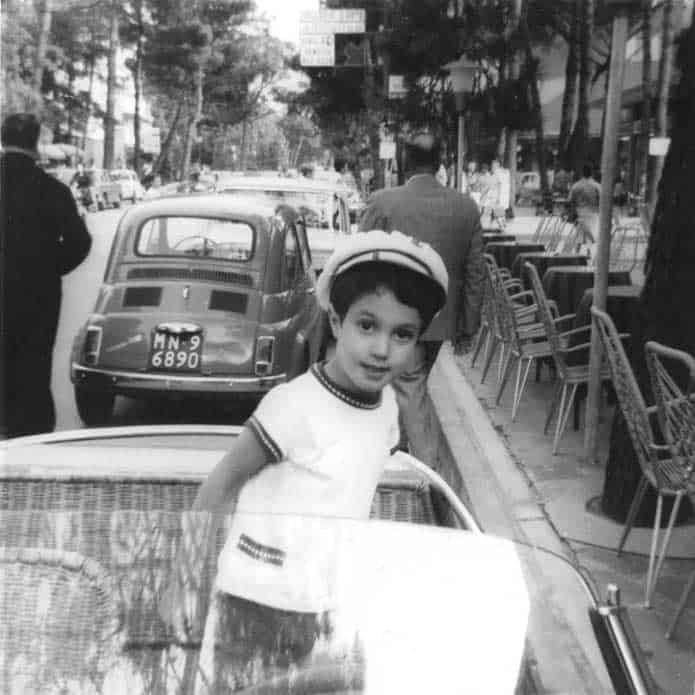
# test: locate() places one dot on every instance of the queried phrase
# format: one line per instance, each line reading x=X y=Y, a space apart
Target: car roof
x=281 y=183
x=205 y=204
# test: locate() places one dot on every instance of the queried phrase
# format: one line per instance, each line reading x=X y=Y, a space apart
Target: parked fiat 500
x=202 y=295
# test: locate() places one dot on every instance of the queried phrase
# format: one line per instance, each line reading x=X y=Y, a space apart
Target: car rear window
x=190 y=237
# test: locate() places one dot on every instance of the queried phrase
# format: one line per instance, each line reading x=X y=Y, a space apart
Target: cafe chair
x=524 y=313
x=58 y=616
x=523 y=343
x=659 y=468
x=675 y=407
x=570 y=377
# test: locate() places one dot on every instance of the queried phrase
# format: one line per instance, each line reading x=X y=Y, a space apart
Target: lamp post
x=461 y=73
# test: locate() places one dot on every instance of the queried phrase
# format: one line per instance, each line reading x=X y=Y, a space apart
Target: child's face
x=374 y=342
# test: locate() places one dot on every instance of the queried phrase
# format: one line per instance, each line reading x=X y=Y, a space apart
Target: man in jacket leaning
x=450 y=222
x=42 y=238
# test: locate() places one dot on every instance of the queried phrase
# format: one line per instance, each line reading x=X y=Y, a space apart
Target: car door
x=301 y=286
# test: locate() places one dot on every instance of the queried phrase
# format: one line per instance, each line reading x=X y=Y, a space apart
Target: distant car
x=202 y=295
x=323 y=205
x=131 y=188
x=103 y=191
x=179 y=188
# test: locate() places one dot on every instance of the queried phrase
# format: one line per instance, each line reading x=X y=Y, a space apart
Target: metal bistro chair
x=676 y=410
x=524 y=313
x=488 y=320
x=570 y=376
x=58 y=618
x=659 y=469
x=522 y=343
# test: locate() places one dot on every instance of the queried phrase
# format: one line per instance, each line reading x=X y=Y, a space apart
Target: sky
x=284 y=16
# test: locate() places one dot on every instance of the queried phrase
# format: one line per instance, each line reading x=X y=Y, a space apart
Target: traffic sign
x=317 y=50
x=331 y=22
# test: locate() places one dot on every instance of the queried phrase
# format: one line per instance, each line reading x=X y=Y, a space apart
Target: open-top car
x=322 y=204
x=202 y=295
x=95 y=527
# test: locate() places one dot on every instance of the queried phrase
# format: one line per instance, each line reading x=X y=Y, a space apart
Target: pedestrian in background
x=584 y=199
x=450 y=222
x=43 y=237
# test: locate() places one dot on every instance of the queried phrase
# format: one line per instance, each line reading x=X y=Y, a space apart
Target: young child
x=316 y=447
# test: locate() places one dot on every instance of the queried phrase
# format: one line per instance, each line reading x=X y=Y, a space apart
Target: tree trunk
x=512 y=135
x=110 y=116
x=580 y=134
x=664 y=313
x=45 y=15
x=662 y=94
x=242 y=146
x=371 y=100
x=164 y=152
x=90 y=89
x=192 y=130
x=137 y=82
x=646 y=120
x=531 y=73
x=569 y=97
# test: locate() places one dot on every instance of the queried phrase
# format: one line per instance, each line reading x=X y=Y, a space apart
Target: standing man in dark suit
x=450 y=222
x=42 y=238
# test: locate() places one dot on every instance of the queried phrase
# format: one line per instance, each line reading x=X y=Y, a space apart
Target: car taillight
x=263 y=363
x=92 y=345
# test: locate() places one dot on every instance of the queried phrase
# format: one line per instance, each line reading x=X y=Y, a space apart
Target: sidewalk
x=517 y=488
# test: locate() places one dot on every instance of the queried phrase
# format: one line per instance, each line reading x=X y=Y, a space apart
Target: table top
x=581 y=270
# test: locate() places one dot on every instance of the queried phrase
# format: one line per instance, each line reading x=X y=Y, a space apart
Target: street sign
x=387 y=149
x=331 y=22
x=397 y=88
x=317 y=50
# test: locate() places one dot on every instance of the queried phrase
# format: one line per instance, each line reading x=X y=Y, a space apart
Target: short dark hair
x=339 y=162
x=21 y=130
x=423 y=151
x=409 y=287
x=587 y=170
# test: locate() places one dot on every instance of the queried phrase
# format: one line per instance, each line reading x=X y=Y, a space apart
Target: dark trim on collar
x=318 y=369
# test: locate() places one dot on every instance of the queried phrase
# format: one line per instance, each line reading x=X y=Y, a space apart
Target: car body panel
x=152 y=309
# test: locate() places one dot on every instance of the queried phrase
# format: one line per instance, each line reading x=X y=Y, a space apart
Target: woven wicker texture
x=58 y=616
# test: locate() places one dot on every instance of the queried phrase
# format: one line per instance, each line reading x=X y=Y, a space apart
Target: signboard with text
x=331 y=22
x=317 y=50
x=397 y=88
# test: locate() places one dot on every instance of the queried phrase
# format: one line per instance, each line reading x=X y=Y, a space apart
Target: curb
x=505 y=504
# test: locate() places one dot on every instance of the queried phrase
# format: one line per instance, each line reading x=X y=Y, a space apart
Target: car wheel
x=100 y=203
x=94 y=407
x=117 y=202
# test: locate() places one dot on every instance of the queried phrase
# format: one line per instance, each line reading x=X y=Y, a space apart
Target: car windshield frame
x=205 y=253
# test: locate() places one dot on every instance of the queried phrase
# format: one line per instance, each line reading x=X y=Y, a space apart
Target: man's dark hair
x=339 y=163
x=423 y=151
x=409 y=287
x=587 y=171
x=21 y=130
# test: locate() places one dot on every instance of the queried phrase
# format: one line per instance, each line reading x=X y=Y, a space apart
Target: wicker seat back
x=675 y=404
x=546 y=316
x=57 y=614
x=627 y=389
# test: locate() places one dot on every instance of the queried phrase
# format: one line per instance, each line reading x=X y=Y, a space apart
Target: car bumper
x=125 y=382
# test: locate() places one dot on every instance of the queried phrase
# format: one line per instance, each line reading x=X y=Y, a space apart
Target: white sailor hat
x=386 y=247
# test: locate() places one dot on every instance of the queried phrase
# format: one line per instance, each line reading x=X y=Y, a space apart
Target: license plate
x=172 y=352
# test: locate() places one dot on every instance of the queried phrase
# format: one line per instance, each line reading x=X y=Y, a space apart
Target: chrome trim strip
x=150 y=377
x=125 y=431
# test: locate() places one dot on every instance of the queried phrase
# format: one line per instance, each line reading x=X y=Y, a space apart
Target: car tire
x=100 y=203
x=117 y=202
x=94 y=407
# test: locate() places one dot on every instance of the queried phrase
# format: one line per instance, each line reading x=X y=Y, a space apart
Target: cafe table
x=543 y=260
x=566 y=284
x=504 y=252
